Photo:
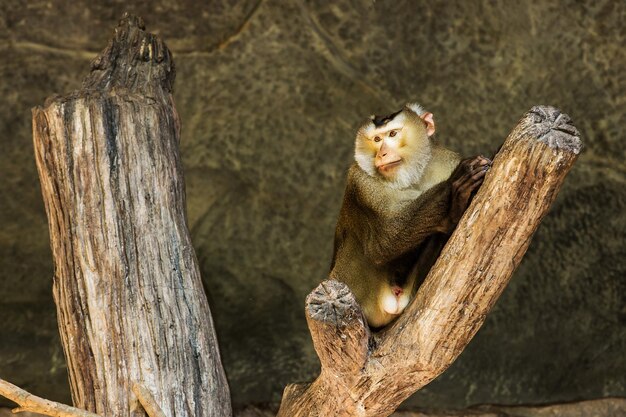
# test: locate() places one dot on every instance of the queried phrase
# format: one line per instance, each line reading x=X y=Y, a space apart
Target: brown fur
x=381 y=229
x=389 y=236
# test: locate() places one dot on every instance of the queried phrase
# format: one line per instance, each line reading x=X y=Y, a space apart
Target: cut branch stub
x=135 y=60
x=465 y=282
x=131 y=305
x=553 y=128
x=338 y=328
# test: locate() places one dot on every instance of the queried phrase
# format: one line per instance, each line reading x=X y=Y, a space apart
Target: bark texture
x=131 y=305
x=461 y=288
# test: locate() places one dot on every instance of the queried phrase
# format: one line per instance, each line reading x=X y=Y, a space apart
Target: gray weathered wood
x=451 y=305
x=130 y=301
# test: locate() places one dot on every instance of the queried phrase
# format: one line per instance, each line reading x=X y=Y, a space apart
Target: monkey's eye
x=377 y=139
x=393 y=133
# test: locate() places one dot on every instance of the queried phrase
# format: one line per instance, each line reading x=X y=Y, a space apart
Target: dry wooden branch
x=34 y=404
x=130 y=301
x=379 y=371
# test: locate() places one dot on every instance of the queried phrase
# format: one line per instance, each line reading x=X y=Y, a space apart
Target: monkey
x=404 y=196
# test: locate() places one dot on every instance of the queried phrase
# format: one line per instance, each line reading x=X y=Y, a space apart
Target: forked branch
x=369 y=375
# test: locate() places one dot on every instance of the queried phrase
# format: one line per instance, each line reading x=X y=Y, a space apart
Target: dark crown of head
x=383 y=120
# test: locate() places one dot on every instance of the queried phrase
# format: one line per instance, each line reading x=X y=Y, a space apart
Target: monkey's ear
x=430 y=123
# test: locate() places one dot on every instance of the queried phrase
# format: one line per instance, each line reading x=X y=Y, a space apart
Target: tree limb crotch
x=369 y=375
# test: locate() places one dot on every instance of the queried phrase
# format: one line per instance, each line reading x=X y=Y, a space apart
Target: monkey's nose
x=397 y=291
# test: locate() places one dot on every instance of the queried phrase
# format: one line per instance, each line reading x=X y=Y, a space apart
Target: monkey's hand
x=466 y=179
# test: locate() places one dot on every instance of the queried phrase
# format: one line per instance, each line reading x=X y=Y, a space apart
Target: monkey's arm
x=394 y=234
x=389 y=234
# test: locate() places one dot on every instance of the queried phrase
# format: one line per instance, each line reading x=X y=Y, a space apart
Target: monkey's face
x=395 y=148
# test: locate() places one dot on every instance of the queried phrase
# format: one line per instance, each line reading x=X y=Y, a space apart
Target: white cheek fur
x=364 y=158
x=409 y=173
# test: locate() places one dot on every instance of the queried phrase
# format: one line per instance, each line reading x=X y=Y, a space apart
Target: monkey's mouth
x=389 y=165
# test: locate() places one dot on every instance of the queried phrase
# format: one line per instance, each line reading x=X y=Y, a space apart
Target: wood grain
x=130 y=302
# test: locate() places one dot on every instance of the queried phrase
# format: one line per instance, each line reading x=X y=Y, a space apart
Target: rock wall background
x=270 y=94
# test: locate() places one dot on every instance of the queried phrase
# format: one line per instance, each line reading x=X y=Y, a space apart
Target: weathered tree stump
x=369 y=375
x=130 y=302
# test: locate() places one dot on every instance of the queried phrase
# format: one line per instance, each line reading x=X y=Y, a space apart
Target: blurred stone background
x=270 y=94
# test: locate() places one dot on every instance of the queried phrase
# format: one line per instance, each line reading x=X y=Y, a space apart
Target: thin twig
x=34 y=404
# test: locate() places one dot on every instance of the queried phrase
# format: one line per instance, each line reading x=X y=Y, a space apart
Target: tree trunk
x=369 y=375
x=130 y=302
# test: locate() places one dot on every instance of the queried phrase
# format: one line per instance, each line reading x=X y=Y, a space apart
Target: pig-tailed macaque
x=404 y=196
